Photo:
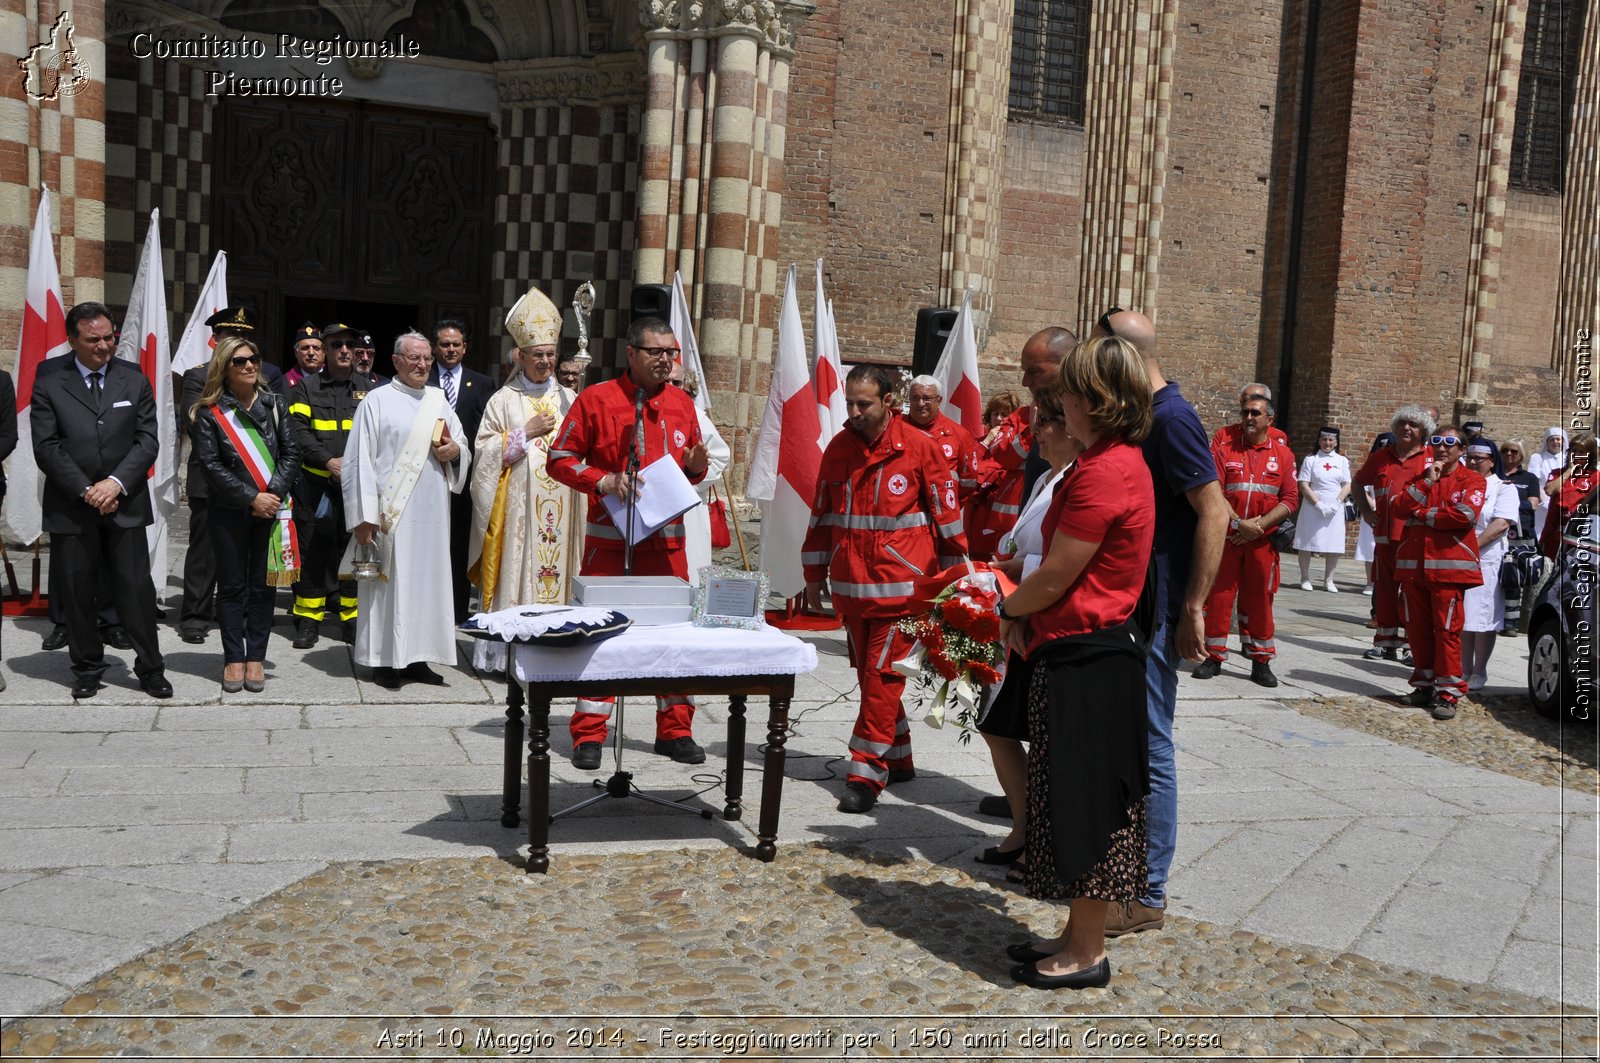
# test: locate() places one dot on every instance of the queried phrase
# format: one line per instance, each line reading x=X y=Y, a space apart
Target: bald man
x=1191 y=525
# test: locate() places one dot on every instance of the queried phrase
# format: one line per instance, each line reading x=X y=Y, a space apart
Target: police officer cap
x=308 y=331
x=330 y=331
x=232 y=318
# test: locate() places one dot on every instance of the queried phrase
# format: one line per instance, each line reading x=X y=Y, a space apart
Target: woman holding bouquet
x=1004 y=725
x=250 y=458
x=1074 y=619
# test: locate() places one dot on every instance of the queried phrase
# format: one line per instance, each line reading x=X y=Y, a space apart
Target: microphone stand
x=621 y=782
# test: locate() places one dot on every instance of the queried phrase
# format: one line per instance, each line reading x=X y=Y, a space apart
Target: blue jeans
x=1161 y=808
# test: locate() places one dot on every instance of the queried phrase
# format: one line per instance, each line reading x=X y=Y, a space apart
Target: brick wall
x=1523 y=390
x=1040 y=233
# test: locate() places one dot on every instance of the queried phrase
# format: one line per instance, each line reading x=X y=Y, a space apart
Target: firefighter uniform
x=1436 y=561
x=959 y=450
x=998 y=476
x=323 y=411
x=1255 y=479
x=885 y=514
x=593 y=441
x=1387 y=475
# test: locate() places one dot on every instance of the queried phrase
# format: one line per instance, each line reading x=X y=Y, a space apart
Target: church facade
x=1358 y=202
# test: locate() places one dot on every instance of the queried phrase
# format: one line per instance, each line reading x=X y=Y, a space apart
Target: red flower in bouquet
x=958 y=647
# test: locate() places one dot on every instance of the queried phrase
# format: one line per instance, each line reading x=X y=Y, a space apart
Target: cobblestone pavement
x=847 y=952
x=227 y=871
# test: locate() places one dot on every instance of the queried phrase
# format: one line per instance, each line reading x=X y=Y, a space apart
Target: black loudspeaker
x=650 y=300
x=933 y=329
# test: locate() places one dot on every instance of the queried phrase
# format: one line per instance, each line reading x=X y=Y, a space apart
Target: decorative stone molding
x=775 y=22
x=617 y=77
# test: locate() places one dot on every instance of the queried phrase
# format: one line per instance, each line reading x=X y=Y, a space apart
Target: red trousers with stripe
x=1248 y=572
x=1433 y=616
x=1386 y=598
x=674 y=712
x=881 y=740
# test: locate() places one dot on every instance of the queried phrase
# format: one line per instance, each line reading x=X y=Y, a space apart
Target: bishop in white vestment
x=397 y=486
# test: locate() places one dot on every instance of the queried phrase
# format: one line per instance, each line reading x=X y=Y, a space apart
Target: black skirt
x=1007 y=715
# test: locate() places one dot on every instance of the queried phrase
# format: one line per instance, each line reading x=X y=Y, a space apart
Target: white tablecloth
x=669 y=651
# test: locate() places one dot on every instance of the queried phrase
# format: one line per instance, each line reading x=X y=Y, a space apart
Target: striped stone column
x=1489 y=202
x=711 y=183
x=1127 y=106
x=1578 y=307
x=980 y=80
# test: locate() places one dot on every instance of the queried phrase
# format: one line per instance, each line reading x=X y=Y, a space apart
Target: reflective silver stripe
x=602 y=531
x=1420 y=496
x=883 y=655
x=1423 y=673
x=1440 y=682
x=1010 y=511
x=1017 y=447
x=594 y=708
x=1385 y=632
x=1247 y=488
x=1406 y=564
x=1450 y=615
x=873 y=590
x=1381 y=492
x=950 y=529
x=859 y=770
x=863 y=745
x=948 y=560
x=1465 y=510
x=1438 y=564
x=967 y=483
x=898 y=752
x=860 y=523
x=563 y=453
x=819 y=557
x=898 y=556
x=667 y=701
x=1381 y=539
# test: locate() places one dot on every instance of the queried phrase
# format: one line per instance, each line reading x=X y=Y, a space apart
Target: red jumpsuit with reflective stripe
x=996 y=499
x=595 y=440
x=1436 y=562
x=1386 y=474
x=960 y=452
x=885 y=514
x=1255 y=479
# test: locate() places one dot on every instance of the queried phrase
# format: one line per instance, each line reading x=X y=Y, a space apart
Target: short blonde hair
x=1108 y=373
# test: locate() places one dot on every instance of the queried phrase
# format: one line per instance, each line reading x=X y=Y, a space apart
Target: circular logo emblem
x=677 y=438
x=949 y=451
x=949 y=498
x=897 y=484
x=1272 y=464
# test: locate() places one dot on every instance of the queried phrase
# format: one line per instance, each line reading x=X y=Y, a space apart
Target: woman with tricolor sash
x=247 y=450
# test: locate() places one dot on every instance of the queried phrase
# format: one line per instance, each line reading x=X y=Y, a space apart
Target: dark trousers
x=318 y=593
x=56 y=601
x=102 y=554
x=199 y=570
x=460 y=533
x=244 y=601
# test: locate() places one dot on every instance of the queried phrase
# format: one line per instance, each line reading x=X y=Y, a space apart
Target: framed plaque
x=727 y=597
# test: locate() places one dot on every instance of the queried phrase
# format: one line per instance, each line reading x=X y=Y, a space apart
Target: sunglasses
x=1446 y=441
x=1510 y=450
x=239 y=361
x=1105 y=320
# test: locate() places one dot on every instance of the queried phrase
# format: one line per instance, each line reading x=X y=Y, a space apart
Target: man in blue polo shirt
x=1191 y=525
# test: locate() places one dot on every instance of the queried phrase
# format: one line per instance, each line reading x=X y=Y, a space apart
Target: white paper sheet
x=665 y=494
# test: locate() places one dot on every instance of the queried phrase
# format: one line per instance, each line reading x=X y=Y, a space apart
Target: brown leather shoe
x=1130 y=917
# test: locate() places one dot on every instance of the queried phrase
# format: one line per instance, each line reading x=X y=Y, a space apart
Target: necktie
x=94 y=388
x=447 y=378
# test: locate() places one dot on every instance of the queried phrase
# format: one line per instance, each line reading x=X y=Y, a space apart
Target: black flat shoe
x=56 y=639
x=996 y=855
x=421 y=673
x=1024 y=952
x=387 y=678
x=155 y=684
x=86 y=688
x=117 y=638
x=1090 y=978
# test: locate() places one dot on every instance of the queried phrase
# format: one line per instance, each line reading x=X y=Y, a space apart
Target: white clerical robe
x=408 y=618
x=526 y=528
x=697 y=522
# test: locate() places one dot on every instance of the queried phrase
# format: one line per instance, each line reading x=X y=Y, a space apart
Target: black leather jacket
x=228 y=479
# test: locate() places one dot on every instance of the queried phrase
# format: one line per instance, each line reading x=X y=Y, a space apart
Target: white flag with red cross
x=957 y=373
x=827 y=369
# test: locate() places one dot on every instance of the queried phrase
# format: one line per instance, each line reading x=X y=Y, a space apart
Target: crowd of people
x=1127 y=541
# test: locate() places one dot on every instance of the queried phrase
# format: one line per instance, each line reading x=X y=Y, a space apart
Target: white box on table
x=648 y=601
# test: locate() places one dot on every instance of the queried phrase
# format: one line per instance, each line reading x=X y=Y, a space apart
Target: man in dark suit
x=8 y=440
x=199 y=562
x=468 y=392
x=94 y=438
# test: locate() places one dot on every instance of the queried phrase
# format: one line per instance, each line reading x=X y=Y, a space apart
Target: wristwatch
x=1000 y=608
x=1233 y=523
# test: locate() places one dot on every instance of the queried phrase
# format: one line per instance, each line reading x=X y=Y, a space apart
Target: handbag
x=1350 y=511
x=1283 y=535
x=718 y=511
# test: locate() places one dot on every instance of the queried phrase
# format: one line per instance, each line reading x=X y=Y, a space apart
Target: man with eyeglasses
x=1232 y=432
x=1258 y=481
x=590 y=454
x=323 y=408
x=953 y=442
x=1437 y=560
x=1387 y=471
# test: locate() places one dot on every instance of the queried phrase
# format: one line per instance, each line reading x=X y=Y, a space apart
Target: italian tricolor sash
x=283 y=549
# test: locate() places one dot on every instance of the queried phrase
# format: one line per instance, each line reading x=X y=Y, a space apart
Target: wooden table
x=669 y=670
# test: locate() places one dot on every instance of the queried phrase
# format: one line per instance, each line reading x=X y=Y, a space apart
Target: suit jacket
x=472 y=398
x=77 y=445
x=8 y=423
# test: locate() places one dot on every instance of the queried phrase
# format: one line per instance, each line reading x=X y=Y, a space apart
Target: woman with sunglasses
x=250 y=458
x=1436 y=563
x=1483 y=605
x=1529 y=491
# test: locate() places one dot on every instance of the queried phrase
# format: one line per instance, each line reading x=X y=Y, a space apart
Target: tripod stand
x=621 y=782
